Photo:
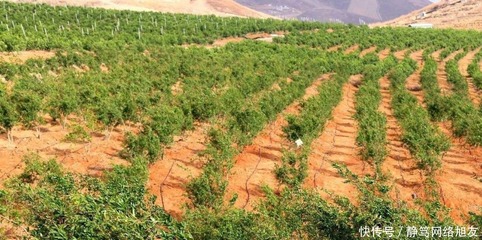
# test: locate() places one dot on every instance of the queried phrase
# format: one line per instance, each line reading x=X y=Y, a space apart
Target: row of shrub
x=424 y=140
x=371 y=122
x=456 y=106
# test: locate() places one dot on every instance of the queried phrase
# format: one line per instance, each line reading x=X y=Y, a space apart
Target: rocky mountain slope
x=459 y=14
x=347 y=11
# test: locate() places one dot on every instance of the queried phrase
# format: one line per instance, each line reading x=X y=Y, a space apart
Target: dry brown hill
x=459 y=14
x=216 y=7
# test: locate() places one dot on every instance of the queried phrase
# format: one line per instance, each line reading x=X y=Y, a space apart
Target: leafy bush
x=64 y=206
x=78 y=135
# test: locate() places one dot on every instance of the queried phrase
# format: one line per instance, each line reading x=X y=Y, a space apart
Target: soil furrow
x=334 y=48
x=333 y=147
x=384 y=53
x=368 y=51
x=351 y=49
x=413 y=83
x=399 y=163
x=460 y=176
x=92 y=158
x=474 y=93
x=400 y=55
x=255 y=165
x=180 y=163
x=445 y=86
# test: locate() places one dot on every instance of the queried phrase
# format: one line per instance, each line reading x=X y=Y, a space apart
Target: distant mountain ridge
x=346 y=11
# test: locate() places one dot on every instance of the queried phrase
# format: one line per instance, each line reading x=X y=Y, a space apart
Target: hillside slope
x=459 y=14
x=216 y=7
x=347 y=11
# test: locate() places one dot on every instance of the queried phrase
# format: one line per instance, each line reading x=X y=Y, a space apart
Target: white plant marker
x=299 y=143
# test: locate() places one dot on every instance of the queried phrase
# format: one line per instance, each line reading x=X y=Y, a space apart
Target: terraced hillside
x=118 y=124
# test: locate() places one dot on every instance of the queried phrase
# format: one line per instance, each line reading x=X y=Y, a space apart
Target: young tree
x=110 y=114
x=8 y=116
x=63 y=102
x=27 y=105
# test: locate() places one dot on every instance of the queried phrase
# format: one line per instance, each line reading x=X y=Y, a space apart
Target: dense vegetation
x=116 y=68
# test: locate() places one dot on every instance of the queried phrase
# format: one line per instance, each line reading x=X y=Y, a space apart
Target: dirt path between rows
x=445 y=86
x=400 y=55
x=460 y=177
x=337 y=144
x=399 y=164
x=21 y=57
x=334 y=48
x=264 y=37
x=413 y=83
x=91 y=158
x=384 y=53
x=255 y=165
x=475 y=94
x=368 y=51
x=180 y=164
x=351 y=49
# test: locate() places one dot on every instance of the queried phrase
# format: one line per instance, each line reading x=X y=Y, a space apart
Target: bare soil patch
x=180 y=164
x=384 y=53
x=413 y=83
x=92 y=158
x=445 y=86
x=367 y=51
x=460 y=177
x=351 y=49
x=22 y=56
x=400 y=55
x=334 y=48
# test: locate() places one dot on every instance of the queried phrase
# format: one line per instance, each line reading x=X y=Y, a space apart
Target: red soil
x=367 y=51
x=413 y=83
x=91 y=158
x=351 y=49
x=460 y=177
x=255 y=165
x=436 y=54
x=334 y=48
x=337 y=144
x=384 y=53
x=262 y=35
x=400 y=55
x=408 y=179
x=22 y=56
x=474 y=93
x=445 y=86
x=266 y=37
x=223 y=42
x=217 y=43
x=168 y=176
